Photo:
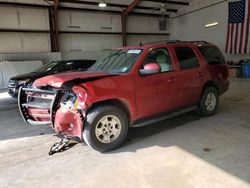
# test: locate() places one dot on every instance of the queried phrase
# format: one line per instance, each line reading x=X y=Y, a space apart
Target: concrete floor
x=181 y=152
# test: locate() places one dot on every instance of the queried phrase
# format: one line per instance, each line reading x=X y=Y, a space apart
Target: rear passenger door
x=190 y=77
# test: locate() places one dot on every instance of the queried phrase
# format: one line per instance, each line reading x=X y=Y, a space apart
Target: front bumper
x=13 y=92
x=13 y=88
x=42 y=107
x=14 y=85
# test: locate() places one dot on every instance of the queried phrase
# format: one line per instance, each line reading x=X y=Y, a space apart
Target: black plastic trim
x=21 y=109
x=39 y=91
x=147 y=121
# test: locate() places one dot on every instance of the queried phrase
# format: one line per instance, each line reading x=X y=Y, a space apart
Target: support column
x=53 y=23
x=124 y=28
x=124 y=14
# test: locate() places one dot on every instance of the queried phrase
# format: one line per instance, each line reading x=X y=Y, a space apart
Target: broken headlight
x=68 y=100
x=81 y=94
x=74 y=100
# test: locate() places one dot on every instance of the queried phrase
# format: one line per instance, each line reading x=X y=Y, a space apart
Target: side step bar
x=163 y=117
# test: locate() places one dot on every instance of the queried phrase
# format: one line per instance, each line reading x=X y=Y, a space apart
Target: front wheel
x=209 y=102
x=105 y=128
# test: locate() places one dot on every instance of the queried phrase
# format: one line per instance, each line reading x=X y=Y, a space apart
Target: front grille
x=37 y=106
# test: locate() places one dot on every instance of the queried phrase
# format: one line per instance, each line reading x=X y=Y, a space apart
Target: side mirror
x=151 y=68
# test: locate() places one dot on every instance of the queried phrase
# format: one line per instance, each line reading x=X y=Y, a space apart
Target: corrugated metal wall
x=24 y=18
x=43 y=56
x=79 y=21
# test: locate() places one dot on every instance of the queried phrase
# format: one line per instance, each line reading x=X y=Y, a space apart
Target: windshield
x=119 y=61
x=47 y=67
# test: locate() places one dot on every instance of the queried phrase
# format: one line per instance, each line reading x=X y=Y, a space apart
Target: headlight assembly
x=68 y=101
x=74 y=100
x=82 y=95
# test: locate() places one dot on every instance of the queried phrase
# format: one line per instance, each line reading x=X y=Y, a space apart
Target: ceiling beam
x=131 y=6
x=169 y=2
x=114 y=5
x=109 y=11
x=23 y=5
x=56 y=4
x=76 y=8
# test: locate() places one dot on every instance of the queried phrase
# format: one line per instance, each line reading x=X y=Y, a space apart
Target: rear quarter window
x=212 y=55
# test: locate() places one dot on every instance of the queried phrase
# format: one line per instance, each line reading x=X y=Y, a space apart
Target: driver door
x=157 y=93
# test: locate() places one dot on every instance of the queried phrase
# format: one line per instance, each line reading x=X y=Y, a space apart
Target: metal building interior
x=183 y=151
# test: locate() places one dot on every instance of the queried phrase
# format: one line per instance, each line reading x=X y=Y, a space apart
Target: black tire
x=203 y=108
x=93 y=120
x=13 y=95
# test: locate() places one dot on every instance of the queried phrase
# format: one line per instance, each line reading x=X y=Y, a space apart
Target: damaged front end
x=63 y=110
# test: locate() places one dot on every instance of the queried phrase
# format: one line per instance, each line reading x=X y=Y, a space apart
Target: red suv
x=131 y=87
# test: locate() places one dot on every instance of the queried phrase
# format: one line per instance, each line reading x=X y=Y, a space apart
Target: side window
x=77 y=65
x=63 y=67
x=162 y=57
x=187 y=58
x=82 y=65
x=212 y=55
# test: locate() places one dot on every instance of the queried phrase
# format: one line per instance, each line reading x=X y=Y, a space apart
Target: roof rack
x=174 y=41
x=161 y=41
x=197 y=41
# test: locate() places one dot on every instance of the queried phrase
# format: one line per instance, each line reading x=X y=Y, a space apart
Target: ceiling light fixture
x=102 y=4
x=212 y=24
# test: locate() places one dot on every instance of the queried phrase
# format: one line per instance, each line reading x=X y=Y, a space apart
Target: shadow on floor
x=12 y=125
x=222 y=140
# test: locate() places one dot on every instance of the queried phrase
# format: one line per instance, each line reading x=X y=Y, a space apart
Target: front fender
x=69 y=122
x=119 y=88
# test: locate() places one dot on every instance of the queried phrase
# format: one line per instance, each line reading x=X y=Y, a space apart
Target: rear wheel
x=105 y=128
x=209 y=102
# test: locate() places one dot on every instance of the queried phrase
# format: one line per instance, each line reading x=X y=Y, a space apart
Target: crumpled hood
x=58 y=80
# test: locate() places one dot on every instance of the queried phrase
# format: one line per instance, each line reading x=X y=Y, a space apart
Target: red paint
x=81 y=96
x=144 y=96
x=68 y=122
x=39 y=114
x=57 y=80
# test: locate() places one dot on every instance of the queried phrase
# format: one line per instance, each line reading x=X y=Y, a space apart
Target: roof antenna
x=140 y=44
